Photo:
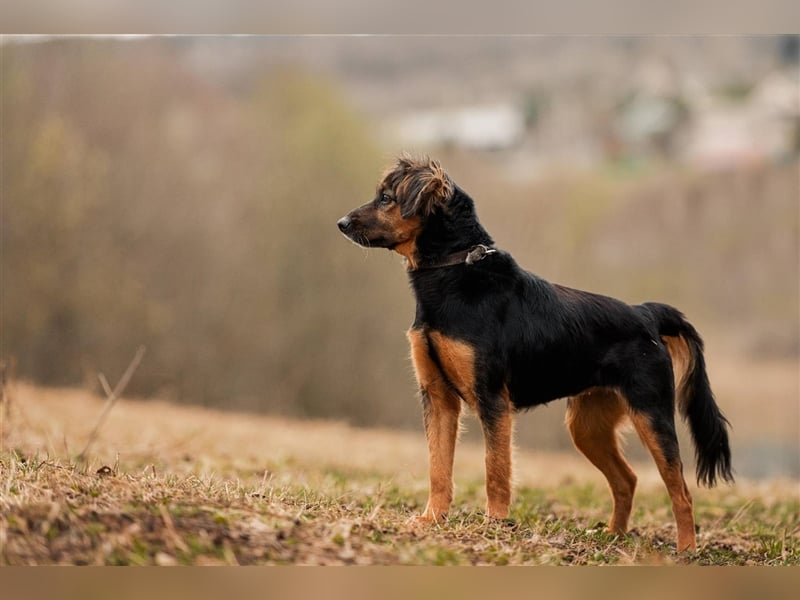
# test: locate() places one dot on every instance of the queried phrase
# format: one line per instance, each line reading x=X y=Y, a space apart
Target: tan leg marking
x=441 y=417
x=499 y=440
x=592 y=420
x=672 y=474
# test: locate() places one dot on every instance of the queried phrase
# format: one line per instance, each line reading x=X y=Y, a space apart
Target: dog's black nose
x=344 y=224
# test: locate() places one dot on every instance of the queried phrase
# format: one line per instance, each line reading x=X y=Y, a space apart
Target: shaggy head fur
x=410 y=193
x=418 y=185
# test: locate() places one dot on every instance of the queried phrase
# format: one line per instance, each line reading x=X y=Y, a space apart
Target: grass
x=167 y=485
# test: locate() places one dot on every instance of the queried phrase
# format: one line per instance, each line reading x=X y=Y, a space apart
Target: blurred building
x=492 y=127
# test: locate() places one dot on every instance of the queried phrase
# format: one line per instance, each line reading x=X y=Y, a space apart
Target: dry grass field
x=165 y=485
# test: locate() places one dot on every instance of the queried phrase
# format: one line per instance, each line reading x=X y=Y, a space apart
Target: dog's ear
x=424 y=188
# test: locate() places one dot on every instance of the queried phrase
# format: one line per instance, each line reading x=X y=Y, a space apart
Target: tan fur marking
x=592 y=420
x=441 y=420
x=425 y=369
x=405 y=232
x=499 y=441
x=672 y=475
x=458 y=361
x=681 y=364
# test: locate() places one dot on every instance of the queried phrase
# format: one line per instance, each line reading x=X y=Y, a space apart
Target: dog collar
x=464 y=257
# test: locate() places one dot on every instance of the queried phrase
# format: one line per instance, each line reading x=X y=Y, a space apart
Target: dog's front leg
x=441 y=408
x=441 y=416
x=498 y=432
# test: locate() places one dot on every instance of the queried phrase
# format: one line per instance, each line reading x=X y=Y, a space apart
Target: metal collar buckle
x=479 y=252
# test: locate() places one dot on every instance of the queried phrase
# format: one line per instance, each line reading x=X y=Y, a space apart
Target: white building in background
x=490 y=127
x=756 y=130
x=778 y=94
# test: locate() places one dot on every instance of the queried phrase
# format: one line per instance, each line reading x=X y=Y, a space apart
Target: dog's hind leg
x=652 y=404
x=592 y=420
x=663 y=445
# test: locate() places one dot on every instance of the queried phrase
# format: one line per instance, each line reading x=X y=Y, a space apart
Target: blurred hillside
x=183 y=193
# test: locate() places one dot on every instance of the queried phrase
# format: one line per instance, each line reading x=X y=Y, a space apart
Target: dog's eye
x=385 y=200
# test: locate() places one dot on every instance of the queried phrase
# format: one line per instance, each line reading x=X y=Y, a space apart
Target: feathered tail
x=695 y=399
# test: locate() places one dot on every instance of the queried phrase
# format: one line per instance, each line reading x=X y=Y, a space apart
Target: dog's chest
x=439 y=359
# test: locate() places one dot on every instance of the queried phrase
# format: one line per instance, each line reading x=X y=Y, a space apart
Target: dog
x=499 y=339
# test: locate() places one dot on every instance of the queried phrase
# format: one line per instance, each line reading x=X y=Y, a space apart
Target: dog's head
x=408 y=194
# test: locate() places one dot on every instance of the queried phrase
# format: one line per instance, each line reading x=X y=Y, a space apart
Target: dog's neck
x=450 y=231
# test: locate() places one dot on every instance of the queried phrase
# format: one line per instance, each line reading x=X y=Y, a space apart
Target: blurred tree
x=143 y=206
x=51 y=190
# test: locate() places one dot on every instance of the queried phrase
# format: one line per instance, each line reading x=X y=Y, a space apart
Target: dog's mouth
x=359 y=239
x=360 y=236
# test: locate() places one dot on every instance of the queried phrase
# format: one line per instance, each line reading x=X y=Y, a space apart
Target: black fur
x=548 y=342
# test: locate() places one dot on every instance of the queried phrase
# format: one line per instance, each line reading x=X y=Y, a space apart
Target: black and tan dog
x=501 y=339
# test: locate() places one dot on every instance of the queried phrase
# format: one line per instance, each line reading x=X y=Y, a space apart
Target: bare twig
x=111 y=397
x=104 y=384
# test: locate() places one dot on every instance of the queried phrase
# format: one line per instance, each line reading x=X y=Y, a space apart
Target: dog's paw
x=426 y=519
x=496 y=513
x=418 y=521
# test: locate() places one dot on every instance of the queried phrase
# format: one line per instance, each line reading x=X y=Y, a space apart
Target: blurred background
x=181 y=193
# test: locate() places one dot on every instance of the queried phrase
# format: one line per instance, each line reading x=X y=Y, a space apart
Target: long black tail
x=695 y=399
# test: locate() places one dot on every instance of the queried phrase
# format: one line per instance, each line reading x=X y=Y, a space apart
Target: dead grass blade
x=111 y=398
x=174 y=539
